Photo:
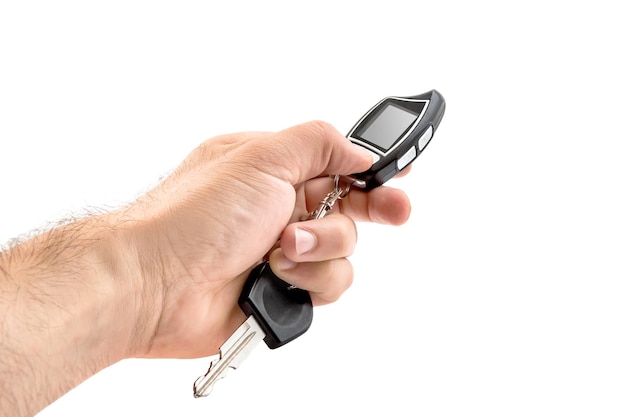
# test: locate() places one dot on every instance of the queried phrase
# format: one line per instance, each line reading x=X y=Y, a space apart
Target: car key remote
x=395 y=131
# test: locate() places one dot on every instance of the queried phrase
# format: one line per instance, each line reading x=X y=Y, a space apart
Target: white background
x=504 y=294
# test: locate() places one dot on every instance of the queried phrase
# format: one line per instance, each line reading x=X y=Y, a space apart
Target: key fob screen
x=396 y=131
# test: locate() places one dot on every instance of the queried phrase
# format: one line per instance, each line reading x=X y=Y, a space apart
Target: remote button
x=425 y=138
x=407 y=158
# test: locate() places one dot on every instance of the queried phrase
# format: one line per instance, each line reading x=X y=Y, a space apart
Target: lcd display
x=387 y=126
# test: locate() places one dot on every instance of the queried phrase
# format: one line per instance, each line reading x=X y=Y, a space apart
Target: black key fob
x=283 y=311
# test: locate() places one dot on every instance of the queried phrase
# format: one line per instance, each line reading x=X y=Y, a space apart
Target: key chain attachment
x=327 y=203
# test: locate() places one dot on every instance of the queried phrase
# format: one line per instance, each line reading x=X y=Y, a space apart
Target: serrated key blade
x=232 y=353
x=204 y=384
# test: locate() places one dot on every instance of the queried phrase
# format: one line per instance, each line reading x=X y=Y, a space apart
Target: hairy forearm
x=70 y=300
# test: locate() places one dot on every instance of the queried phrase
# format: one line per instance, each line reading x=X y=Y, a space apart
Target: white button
x=423 y=141
x=407 y=158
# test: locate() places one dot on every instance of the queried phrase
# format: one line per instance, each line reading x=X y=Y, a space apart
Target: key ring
x=345 y=188
x=337 y=193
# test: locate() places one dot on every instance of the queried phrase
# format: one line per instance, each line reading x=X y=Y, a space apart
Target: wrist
x=136 y=289
x=83 y=278
x=71 y=303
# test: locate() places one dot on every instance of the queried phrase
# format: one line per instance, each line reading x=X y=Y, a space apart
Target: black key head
x=283 y=311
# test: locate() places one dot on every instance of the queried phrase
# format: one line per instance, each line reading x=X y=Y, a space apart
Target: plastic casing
x=283 y=312
x=387 y=166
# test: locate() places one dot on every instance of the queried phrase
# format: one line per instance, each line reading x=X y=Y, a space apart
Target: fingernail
x=364 y=152
x=305 y=241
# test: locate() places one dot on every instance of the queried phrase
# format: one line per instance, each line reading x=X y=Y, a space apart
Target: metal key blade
x=232 y=353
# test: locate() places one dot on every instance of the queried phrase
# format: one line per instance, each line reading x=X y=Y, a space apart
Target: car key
x=277 y=312
x=395 y=131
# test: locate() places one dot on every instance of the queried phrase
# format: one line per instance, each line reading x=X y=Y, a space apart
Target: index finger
x=384 y=205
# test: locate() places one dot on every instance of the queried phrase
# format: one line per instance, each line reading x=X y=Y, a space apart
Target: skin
x=160 y=277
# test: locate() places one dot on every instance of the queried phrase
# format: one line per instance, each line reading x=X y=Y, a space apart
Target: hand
x=223 y=210
x=161 y=276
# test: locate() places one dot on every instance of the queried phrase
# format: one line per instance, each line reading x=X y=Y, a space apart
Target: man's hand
x=161 y=276
x=224 y=209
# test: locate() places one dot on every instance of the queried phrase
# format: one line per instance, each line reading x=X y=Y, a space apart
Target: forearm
x=69 y=307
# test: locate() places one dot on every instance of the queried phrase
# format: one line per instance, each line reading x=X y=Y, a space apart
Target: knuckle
x=344 y=278
x=315 y=130
x=319 y=127
x=348 y=233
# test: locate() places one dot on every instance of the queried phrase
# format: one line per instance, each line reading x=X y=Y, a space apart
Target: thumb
x=313 y=149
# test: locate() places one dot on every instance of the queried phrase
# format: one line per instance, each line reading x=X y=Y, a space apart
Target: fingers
x=319 y=240
x=325 y=281
x=312 y=256
x=384 y=205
